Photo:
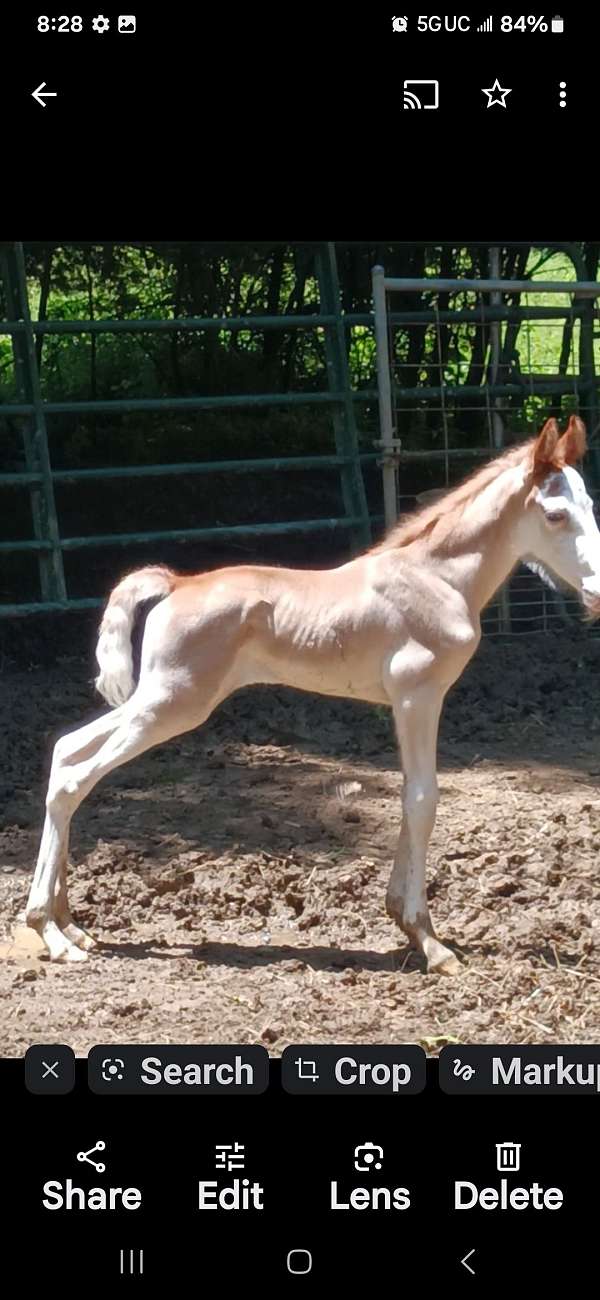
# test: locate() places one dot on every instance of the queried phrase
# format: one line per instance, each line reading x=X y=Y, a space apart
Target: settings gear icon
x=100 y=24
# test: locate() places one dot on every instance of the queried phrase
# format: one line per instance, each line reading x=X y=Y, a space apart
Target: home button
x=299 y=1261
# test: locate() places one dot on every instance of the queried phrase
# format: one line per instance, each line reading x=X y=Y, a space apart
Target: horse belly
x=326 y=673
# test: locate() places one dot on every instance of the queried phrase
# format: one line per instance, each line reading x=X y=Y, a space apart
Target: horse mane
x=442 y=516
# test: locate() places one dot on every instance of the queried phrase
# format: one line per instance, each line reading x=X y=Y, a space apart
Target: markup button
x=523 y=1071
x=356 y=1071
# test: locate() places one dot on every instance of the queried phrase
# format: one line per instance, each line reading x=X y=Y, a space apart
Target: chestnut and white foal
x=395 y=626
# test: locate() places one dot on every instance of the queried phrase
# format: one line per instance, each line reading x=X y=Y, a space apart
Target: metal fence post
x=35 y=440
x=384 y=385
x=504 y=620
x=587 y=368
x=338 y=374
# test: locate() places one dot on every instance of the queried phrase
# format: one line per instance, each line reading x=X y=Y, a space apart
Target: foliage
x=171 y=281
x=115 y=281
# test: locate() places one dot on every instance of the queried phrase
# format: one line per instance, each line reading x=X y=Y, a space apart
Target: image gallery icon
x=126 y=23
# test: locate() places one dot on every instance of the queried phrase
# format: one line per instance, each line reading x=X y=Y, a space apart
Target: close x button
x=50 y=1069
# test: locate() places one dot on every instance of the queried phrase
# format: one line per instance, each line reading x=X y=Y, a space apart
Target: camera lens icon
x=368 y=1156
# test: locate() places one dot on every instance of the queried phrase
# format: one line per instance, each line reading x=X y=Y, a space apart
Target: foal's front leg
x=417 y=717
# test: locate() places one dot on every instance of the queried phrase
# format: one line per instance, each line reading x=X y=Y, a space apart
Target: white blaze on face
x=564 y=535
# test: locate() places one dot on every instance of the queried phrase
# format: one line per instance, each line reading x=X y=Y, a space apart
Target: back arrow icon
x=42 y=95
x=464 y=1261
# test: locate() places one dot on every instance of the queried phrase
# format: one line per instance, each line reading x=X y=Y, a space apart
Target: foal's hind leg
x=63 y=915
x=56 y=922
x=47 y=908
x=119 y=736
x=417 y=719
x=72 y=749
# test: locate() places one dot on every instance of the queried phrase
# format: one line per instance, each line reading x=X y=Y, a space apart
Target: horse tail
x=114 y=652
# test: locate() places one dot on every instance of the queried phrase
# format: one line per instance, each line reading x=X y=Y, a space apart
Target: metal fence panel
x=47 y=542
x=524 y=602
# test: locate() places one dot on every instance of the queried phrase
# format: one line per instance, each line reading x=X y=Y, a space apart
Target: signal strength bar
x=488 y=25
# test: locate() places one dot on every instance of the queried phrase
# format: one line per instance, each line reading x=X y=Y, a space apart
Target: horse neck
x=484 y=546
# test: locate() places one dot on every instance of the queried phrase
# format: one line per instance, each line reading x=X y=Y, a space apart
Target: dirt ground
x=236 y=877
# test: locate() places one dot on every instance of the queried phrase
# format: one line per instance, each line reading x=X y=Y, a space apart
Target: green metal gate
x=48 y=543
x=430 y=306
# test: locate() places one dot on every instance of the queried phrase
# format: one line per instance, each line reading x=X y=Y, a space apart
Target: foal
x=395 y=626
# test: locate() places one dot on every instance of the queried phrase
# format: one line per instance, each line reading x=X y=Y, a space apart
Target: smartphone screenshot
x=299 y=654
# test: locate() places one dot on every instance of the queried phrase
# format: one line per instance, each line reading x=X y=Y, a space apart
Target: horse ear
x=545 y=446
x=573 y=444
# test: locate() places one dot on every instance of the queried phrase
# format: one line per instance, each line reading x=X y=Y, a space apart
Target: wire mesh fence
x=476 y=368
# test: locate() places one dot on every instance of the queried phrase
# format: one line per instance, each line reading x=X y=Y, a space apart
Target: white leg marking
x=47 y=906
x=417 y=719
x=80 y=761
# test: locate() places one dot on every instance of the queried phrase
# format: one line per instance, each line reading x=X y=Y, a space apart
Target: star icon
x=496 y=95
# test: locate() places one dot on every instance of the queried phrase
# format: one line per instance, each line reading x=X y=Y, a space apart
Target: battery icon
x=558 y=24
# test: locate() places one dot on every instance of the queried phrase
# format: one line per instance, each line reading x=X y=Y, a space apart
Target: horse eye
x=556 y=516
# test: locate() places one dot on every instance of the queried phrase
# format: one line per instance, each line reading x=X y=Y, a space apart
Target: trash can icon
x=508 y=1157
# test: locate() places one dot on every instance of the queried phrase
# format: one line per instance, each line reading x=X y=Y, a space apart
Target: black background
x=269 y=117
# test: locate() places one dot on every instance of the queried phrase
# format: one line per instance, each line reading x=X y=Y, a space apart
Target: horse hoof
x=72 y=953
x=80 y=938
x=88 y=943
x=448 y=965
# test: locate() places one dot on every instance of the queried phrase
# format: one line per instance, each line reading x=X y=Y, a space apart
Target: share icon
x=85 y=1156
